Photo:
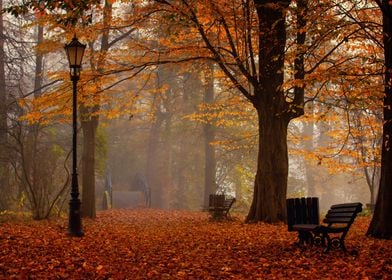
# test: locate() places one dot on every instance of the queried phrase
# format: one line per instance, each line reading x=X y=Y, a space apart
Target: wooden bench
x=219 y=206
x=303 y=211
x=337 y=223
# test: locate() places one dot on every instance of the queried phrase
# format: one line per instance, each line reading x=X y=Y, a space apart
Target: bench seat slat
x=338 y=220
x=347 y=205
x=344 y=210
x=339 y=215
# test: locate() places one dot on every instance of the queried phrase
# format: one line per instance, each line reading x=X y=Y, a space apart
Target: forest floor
x=153 y=244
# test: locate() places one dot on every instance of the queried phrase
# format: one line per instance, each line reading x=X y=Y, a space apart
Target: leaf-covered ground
x=152 y=244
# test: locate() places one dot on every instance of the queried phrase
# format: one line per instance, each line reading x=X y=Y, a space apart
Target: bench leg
x=336 y=242
x=319 y=239
x=329 y=242
x=217 y=215
x=305 y=237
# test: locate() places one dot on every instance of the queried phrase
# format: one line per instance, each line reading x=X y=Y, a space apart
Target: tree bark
x=269 y=198
x=270 y=188
x=381 y=224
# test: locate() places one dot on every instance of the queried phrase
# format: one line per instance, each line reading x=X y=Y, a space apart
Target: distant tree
x=209 y=130
x=155 y=145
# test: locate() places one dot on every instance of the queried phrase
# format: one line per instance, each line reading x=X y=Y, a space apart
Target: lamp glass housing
x=75 y=52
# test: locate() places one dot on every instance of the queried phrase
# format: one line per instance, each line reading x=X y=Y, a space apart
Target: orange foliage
x=152 y=244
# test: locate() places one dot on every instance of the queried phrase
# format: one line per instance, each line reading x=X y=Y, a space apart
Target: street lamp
x=75 y=51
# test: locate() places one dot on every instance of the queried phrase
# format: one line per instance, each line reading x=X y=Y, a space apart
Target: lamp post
x=75 y=51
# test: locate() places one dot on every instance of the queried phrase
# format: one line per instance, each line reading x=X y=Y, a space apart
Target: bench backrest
x=304 y=210
x=216 y=200
x=343 y=214
x=220 y=201
x=228 y=203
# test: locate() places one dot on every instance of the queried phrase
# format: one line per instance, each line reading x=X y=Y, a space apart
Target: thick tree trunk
x=269 y=199
x=89 y=128
x=381 y=224
x=209 y=137
x=274 y=114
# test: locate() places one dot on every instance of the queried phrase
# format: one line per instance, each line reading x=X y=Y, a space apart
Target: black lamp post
x=75 y=51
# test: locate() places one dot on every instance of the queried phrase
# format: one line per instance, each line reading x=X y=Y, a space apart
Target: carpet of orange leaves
x=153 y=244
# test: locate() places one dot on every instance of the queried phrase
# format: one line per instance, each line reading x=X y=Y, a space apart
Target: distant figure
x=140 y=184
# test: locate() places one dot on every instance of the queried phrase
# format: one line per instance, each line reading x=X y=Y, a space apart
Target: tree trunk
x=33 y=184
x=152 y=162
x=311 y=170
x=299 y=74
x=269 y=198
x=381 y=224
x=3 y=121
x=154 y=147
x=209 y=137
x=165 y=168
x=89 y=128
x=89 y=124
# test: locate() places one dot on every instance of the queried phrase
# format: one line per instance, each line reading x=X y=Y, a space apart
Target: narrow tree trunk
x=89 y=123
x=299 y=75
x=372 y=175
x=32 y=183
x=3 y=120
x=311 y=170
x=381 y=224
x=167 y=160
x=152 y=167
x=209 y=137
